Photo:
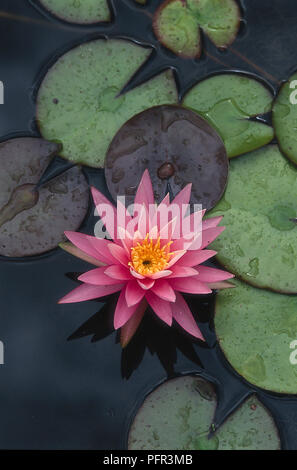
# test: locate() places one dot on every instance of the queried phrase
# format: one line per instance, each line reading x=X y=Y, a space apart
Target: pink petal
x=146 y=283
x=207 y=274
x=106 y=211
x=143 y=222
x=123 y=215
x=163 y=289
x=100 y=245
x=118 y=253
x=163 y=206
x=210 y=235
x=194 y=258
x=183 y=198
x=161 y=274
x=182 y=271
x=176 y=257
x=123 y=313
x=183 y=316
x=187 y=242
x=167 y=231
x=134 y=293
x=83 y=242
x=130 y=328
x=154 y=233
x=118 y=272
x=145 y=193
x=192 y=224
x=125 y=239
x=161 y=308
x=98 y=277
x=89 y=292
x=213 y=222
x=190 y=285
x=73 y=250
x=136 y=274
x=221 y=285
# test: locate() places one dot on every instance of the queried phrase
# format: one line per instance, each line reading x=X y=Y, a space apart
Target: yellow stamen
x=147 y=257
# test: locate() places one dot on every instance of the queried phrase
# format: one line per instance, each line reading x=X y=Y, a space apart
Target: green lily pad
x=285 y=118
x=177 y=24
x=219 y=19
x=228 y=101
x=79 y=11
x=178 y=416
x=78 y=103
x=259 y=244
x=256 y=329
x=177 y=28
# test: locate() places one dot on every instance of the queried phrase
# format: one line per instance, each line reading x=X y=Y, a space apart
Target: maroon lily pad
x=33 y=222
x=176 y=146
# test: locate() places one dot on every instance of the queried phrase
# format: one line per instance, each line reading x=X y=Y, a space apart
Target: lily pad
x=78 y=103
x=259 y=244
x=79 y=11
x=285 y=118
x=176 y=146
x=256 y=329
x=33 y=222
x=177 y=28
x=228 y=101
x=178 y=416
x=177 y=24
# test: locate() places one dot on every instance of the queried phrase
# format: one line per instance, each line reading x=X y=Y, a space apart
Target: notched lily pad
x=177 y=29
x=176 y=416
x=177 y=24
x=78 y=102
x=33 y=222
x=228 y=101
x=79 y=11
x=259 y=208
x=176 y=145
x=285 y=118
x=260 y=354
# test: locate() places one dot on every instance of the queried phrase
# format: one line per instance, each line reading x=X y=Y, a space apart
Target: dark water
x=82 y=393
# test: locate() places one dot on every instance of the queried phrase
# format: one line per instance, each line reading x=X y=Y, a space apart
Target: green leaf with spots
x=177 y=24
x=177 y=29
x=255 y=329
x=285 y=118
x=78 y=103
x=219 y=19
x=178 y=416
x=259 y=244
x=227 y=101
x=79 y=11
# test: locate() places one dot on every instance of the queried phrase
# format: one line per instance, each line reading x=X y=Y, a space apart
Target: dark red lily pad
x=176 y=146
x=33 y=222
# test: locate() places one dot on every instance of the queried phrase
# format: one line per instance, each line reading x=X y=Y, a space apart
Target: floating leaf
x=176 y=416
x=228 y=101
x=256 y=329
x=78 y=102
x=259 y=208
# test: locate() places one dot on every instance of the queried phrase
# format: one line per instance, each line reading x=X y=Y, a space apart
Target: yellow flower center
x=147 y=257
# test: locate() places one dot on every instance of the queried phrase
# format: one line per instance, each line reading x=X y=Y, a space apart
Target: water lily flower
x=148 y=264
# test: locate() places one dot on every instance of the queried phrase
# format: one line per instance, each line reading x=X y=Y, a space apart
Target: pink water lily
x=147 y=263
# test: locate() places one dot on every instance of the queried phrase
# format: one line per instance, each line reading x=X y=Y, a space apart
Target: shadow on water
x=152 y=335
